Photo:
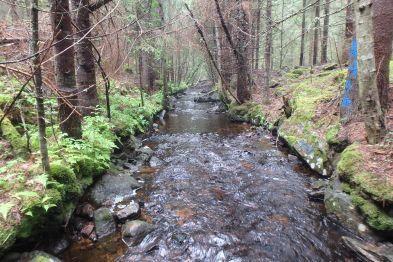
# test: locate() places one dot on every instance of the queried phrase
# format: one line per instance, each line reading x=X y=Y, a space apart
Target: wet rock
x=339 y=205
x=208 y=97
x=38 y=256
x=11 y=257
x=319 y=184
x=131 y=167
x=155 y=161
x=133 y=143
x=111 y=186
x=86 y=211
x=317 y=196
x=134 y=231
x=143 y=155
x=87 y=229
x=131 y=211
x=59 y=246
x=292 y=158
x=369 y=252
x=104 y=222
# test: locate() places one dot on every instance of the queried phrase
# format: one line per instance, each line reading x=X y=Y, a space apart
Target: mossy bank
x=304 y=112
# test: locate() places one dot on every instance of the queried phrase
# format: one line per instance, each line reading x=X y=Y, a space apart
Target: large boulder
x=104 y=222
x=134 y=231
x=110 y=186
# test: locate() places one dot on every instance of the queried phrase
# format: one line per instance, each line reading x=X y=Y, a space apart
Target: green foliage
x=5 y=208
x=11 y=134
x=391 y=71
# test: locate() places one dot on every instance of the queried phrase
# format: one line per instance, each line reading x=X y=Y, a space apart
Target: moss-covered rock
x=9 y=132
x=247 y=112
x=70 y=187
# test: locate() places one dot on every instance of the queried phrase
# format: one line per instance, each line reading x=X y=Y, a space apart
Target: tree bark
x=368 y=90
x=268 y=45
x=383 y=36
x=257 y=34
x=38 y=87
x=85 y=62
x=303 y=36
x=349 y=30
x=317 y=24
x=70 y=120
x=325 y=37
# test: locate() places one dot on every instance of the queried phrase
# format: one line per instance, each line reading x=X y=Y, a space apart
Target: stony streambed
x=202 y=188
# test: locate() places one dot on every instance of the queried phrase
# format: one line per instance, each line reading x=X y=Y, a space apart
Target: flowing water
x=225 y=192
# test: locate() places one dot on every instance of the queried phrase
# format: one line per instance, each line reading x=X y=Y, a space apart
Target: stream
x=222 y=191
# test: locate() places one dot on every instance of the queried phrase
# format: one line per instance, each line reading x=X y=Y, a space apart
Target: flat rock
x=369 y=252
x=110 y=186
x=134 y=231
x=104 y=222
x=317 y=196
x=131 y=211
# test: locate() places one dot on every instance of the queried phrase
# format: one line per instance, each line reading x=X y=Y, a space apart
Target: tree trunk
x=349 y=30
x=282 y=34
x=303 y=36
x=70 y=120
x=316 y=33
x=383 y=36
x=268 y=45
x=257 y=34
x=164 y=70
x=243 y=57
x=38 y=87
x=85 y=61
x=368 y=90
x=325 y=37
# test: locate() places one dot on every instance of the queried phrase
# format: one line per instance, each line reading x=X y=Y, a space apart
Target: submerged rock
x=134 y=231
x=131 y=211
x=143 y=155
x=111 y=186
x=104 y=222
x=208 y=97
x=86 y=211
x=38 y=256
x=59 y=246
x=155 y=161
x=369 y=252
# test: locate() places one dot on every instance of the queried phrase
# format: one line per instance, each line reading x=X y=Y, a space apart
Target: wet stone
x=111 y=186
x=59 y=246
x=369 y=252
x=87 y=229
x=104 y=222
x=86 y=211
x=131 y=211
x=134 y=231
x=155 y=161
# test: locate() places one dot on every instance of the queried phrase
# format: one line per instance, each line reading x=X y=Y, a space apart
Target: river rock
x=86 y=211
x=110 y=186
x=87 y=229
x=131 y=211
x=317 y=196
x=155 y=161
x=59 y=246
x=369 y=252
x=134 y=231
x=104 y=222
x=143 y=155
x=38 y=256
x=208 y=97
x=339 y=204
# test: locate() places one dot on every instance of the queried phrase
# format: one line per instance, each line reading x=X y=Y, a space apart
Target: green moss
x=331 y=134
x=9 y=132
x=247 y=112
x=350 y=168
x=70 y=187
x=375 y=217
x=7 y=238
x=391 y=72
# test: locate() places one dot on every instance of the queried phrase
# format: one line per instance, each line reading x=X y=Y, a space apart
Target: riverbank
x=33 y=203
x=303 y=109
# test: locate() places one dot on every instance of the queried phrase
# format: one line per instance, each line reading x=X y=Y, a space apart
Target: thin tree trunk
x=325 y=37
x=368 y=90
x=164 y=71
x=85 y=62
x=70 y=121
x=38 y=87
x=349 y=30
x=257 y=34
x=303 y=36
x=316 y=33
x=282 y=34
x=268 y=45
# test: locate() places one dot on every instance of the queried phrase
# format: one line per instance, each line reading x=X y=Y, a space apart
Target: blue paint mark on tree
x=350 y=84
